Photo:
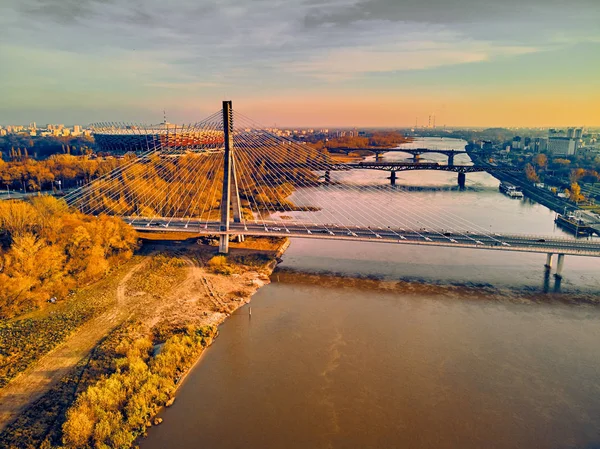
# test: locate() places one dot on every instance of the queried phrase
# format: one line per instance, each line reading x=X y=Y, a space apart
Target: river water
x=323 y=365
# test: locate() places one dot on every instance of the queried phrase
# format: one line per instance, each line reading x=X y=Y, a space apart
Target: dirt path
x=189 y=299
x=33 y=383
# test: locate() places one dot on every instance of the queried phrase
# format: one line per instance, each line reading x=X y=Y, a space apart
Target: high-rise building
x=516 y=143
x=561 y=146
x=540 y=144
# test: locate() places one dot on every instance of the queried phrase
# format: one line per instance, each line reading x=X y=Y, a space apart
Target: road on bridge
x=446 y=238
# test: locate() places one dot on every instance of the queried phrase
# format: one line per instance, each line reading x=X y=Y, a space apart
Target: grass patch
x=40 y=424
x=219 y=265
x=254 y=260
x=162 y=273
x=25 y=340
x=260 y=243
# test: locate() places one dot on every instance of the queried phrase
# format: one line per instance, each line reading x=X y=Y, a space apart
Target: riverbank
x=178 y=300
x=540 y=196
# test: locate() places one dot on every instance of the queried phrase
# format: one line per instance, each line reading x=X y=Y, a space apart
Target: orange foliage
x=48 y=250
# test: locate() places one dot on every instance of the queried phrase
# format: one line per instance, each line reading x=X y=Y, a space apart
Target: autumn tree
x=574 y=193
x=531 y=174
x=541 y=160
x=50 y=249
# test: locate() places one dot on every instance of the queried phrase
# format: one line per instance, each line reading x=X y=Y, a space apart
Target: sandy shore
x=194 y=295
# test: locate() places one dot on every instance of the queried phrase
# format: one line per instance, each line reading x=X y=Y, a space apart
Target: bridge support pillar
x=377 y=156
x=327 y=176
x=393 y=178
x=451 y=159
x=223 y=244
x=559 y=265
x=548 y=261
x=462 y=179
x=228 y=173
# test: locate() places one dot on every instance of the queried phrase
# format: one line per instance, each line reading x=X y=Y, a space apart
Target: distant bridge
x=394 y=166
x=416 y=152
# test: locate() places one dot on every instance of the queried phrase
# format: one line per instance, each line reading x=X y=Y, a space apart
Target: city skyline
x=301 y=63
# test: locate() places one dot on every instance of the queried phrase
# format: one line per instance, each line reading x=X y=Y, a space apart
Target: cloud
x=137 y=49
x=447 y=12
x=411 y=54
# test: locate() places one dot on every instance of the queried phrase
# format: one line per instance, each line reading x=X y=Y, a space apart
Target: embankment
x=179 y=301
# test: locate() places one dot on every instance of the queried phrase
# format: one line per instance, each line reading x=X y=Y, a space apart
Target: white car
x=276 y=229
x=378 y=236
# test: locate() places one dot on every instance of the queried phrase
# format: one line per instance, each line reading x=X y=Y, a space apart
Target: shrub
x=114 y=411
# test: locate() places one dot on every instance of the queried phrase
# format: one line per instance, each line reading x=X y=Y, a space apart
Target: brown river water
x=330 y=365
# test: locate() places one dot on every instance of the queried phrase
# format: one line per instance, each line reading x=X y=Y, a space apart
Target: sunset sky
x=302 y=62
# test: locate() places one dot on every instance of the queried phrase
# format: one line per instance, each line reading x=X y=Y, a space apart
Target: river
x=319 y=365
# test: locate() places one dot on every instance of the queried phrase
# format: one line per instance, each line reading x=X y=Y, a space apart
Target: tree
x=541 y=160
x=577 y=174
x=531 y=174
x=574 y=193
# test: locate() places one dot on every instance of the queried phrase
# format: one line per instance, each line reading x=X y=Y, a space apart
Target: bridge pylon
x=230 y=182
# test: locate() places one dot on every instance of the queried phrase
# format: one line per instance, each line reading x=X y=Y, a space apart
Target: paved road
x=447 y=238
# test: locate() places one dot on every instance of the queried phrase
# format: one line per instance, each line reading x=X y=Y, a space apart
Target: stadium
x=124 y=138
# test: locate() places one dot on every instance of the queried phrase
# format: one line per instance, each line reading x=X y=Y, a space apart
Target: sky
x=302 y=62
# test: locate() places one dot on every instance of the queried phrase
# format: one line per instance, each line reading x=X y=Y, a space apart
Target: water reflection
x=323 y=365
x=328 y=367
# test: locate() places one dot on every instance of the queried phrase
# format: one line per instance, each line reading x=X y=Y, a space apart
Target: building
x=561 y=146
x=540 y=144
x=118 y=138
x=517 y=143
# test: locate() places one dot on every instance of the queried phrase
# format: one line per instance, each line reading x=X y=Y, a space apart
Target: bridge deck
x=443 y=238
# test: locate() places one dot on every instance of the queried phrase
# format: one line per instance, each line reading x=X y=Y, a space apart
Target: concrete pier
x=559 y=265
x=462 y=179
x=393 y=178
x=548 y=261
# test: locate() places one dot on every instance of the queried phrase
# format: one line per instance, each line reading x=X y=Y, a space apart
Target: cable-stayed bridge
x=229 y=177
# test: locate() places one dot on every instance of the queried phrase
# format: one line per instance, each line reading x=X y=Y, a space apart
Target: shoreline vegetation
x=168 y=302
